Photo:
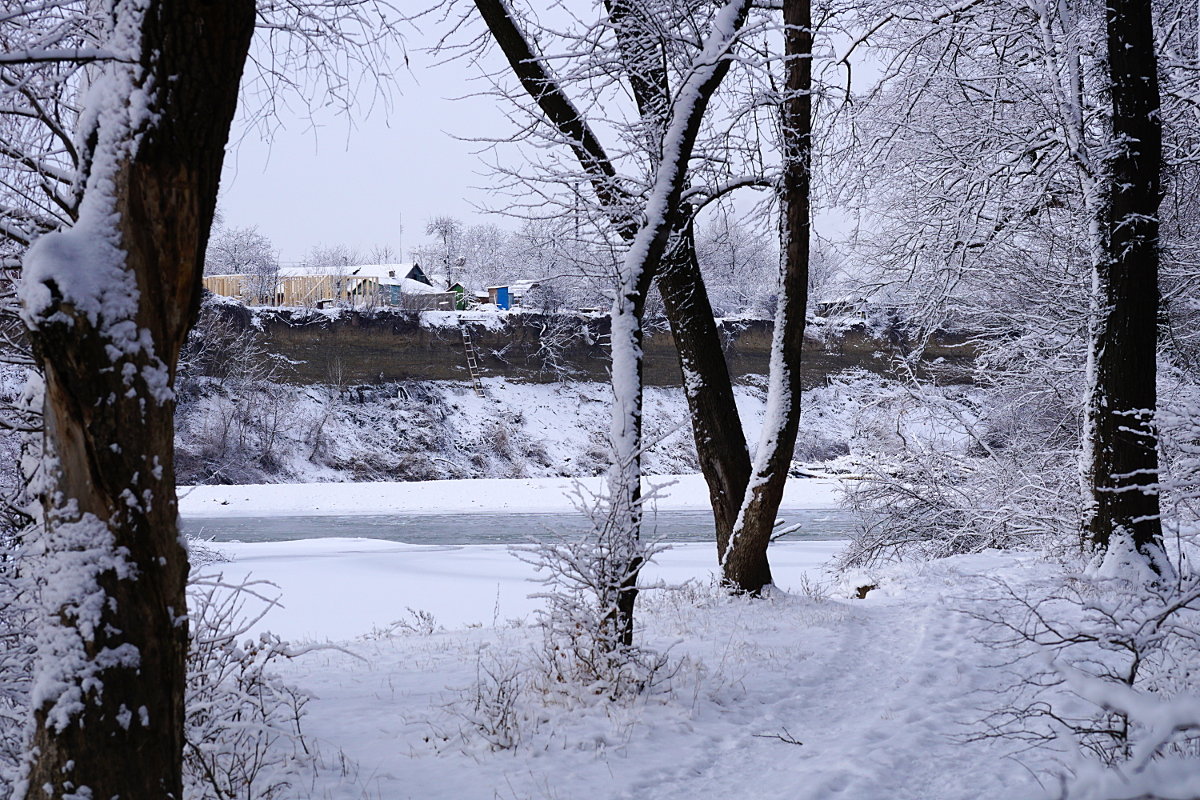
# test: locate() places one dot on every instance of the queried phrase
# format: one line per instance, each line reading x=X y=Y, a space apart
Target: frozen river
x=476 y=528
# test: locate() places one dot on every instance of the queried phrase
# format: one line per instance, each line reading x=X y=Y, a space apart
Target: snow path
x=877 y=690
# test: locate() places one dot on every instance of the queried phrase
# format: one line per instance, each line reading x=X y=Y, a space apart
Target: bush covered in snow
x=243 y=739
x=242 y=729
x=1102 y=674
x=962 y=472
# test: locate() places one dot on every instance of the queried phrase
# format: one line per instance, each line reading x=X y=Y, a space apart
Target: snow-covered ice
x=336 y=589
x=490 y=495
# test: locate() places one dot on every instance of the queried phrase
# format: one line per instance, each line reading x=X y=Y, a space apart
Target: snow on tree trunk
x=744 y=564
x=1121 y=444
x=720 y=441
x=108 y=303
x=649 y=245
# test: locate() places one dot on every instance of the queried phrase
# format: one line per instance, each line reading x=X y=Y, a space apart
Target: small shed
x=414 y=295
x=460 y=296
x=499 y=297
x=518 y=289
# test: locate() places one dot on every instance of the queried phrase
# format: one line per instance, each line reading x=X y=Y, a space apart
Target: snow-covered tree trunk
x=1121 y=443
x=108 y=302
x=744 y=564
x=720 y=442
x=679 y=137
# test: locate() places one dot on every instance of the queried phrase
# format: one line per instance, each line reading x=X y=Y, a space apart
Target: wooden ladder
x=472 y=357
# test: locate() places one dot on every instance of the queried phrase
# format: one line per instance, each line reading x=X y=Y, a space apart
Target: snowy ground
x=808 y=694
x=876 y=690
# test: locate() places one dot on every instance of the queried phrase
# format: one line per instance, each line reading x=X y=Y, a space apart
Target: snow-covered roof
x=516 y=287
x=355 y=271
x=409 y=286
x=383 y=274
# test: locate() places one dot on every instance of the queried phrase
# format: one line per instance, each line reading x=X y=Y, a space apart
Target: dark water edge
x=462 y=529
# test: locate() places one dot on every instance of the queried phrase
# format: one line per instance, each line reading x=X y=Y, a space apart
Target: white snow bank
x=492 y=320
x=488 y=495
x=338 y=589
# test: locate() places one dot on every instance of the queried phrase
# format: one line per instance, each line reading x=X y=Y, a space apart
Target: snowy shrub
x=584 y=579
x=1105 y=673
x=491 y=705
x=418 y=623
x=556 y=335
x=17 y=648
x=963 y=475
x=1179 y=442
x=583 y=660
x=242 y=732
x=816 y=445
x=20 y=418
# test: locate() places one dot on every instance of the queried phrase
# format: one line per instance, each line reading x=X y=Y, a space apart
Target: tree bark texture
x=1122 y=439
x=109 y=428
x=744 y=563
x=717 y=429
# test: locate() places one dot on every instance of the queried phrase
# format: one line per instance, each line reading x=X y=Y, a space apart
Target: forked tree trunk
x=720 y=441
x=716 y=429
x=108 y=304
x=645 y=254
x=1121 y=444
x=744 y=564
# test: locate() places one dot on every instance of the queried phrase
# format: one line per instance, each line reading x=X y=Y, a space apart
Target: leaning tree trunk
x=1121 y=444
x=717 y=430
x=720 y=442
x=744 y=564
x=108 y=303
x=645 y=254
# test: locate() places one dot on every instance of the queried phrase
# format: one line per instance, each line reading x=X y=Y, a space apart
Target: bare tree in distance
x=484 y=252
x=449 y=248
x=384 y=254
x=333 y=256
x=740 y=264
x=244 y=251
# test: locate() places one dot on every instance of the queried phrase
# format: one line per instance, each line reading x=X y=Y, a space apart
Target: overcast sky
x=356 y=181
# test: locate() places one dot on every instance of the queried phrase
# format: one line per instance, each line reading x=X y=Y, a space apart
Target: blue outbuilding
x=500 y=297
